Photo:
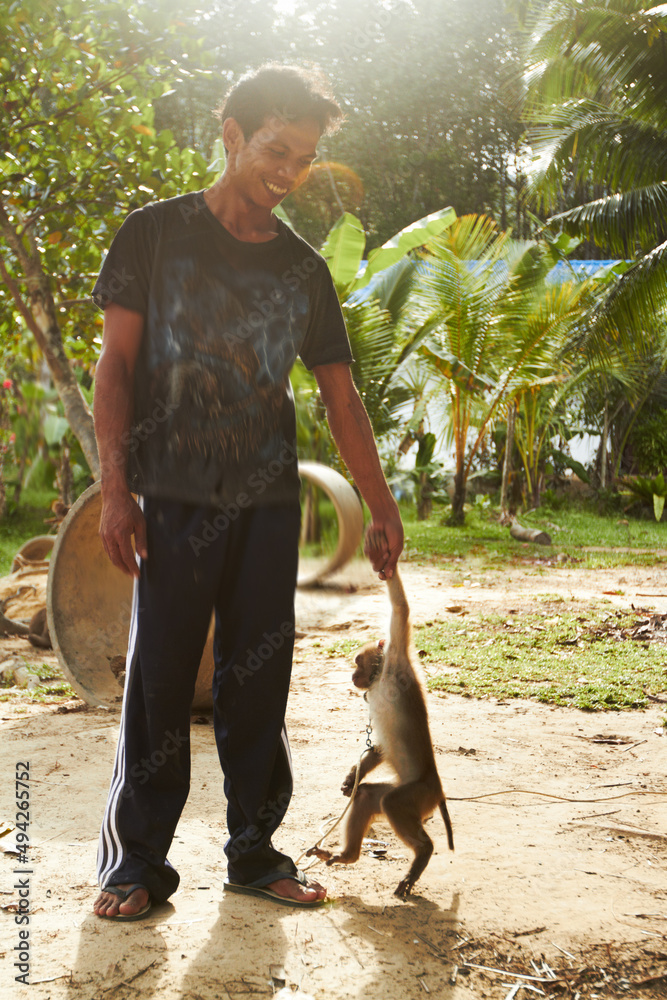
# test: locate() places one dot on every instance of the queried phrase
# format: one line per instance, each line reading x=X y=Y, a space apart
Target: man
x=208 y=299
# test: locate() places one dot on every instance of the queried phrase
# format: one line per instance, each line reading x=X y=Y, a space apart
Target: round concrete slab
x=89 y=601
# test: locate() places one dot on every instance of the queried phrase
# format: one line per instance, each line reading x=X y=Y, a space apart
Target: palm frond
x=636 y=307
x=620 y=221
x=392 y=287
x=373 y=338
x=598 y=144
x=597 y=48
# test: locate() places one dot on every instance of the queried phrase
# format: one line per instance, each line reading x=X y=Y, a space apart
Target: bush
x=648 y=443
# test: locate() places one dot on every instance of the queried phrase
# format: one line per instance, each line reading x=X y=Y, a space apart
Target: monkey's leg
x=38 y=633
x=404 y=807
x=367 y=803
x=369 y=761
x=42 y=641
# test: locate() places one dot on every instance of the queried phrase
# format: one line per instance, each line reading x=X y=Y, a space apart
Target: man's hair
x=289 y=93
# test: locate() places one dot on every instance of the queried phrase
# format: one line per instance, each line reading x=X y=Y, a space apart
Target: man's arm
x=114 y=398
x=353 y=434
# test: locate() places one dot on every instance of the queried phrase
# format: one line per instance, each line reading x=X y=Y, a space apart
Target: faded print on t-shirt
x=225 y=321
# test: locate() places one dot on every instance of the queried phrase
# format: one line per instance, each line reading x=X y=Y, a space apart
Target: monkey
x=400 y=720
x=38 y=633
x=60 y=511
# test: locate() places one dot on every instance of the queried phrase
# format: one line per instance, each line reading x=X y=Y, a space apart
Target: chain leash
x=368 y=749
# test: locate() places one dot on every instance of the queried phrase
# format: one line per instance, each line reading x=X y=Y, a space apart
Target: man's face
x=274 y=161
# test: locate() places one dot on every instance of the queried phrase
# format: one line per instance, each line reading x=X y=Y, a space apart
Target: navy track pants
x=247 y=573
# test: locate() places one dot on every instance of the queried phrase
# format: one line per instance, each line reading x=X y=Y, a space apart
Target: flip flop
x=124 y=894
x=266 y=893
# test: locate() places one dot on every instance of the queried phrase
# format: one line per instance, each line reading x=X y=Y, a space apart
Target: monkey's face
x=369 y=661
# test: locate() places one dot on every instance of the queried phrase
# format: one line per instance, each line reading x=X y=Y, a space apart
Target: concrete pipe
x=89 y=601
x=34 y=550
x=349 y=513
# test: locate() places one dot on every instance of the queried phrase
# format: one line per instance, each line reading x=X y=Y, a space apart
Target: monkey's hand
x=348 y=785
x=319 y=852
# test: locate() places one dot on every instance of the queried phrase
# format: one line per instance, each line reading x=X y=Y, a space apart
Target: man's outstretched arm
x=353 y=435
x=114 y=399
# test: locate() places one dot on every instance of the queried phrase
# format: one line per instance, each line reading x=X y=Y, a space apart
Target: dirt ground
x=559 y=817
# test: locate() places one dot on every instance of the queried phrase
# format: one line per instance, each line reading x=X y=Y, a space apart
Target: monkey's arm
x=369 y=761
x=353 y=435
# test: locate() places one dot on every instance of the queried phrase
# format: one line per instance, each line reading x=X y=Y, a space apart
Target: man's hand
x=121 y=518
x=353 y=434
x=383 y=545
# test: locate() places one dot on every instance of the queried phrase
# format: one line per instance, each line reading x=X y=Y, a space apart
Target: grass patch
x=564 y=659
x=25 y=522
x=54 y=687
x=572 y=531
x=49 y=694
x=344 y=647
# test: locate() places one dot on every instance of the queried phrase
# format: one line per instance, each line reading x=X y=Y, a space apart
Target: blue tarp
x=563 y=271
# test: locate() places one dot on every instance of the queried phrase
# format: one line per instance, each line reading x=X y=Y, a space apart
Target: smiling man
x=208 y=300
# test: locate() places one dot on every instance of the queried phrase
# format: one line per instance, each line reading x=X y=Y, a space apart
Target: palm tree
x=596 y=101
x=372 y=314
x=483 y=320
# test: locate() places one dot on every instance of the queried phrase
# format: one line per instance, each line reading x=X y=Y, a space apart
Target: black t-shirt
x=225 y=320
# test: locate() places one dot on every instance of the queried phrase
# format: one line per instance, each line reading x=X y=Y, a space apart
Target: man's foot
x=291 y=891
x=290 y=888
x=110 y=904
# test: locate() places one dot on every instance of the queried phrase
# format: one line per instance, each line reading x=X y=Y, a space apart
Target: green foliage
x=487 y=327
x=79 y=149
x=313 y=437
x=567 y=462
x=54 y=687
x=648 y=441
x=596 y=100
x=375 y=342
x=24 y=522
x=41 y=436
x=426 y=476
x=373 y=320
x=649 y=491
x=344 y=248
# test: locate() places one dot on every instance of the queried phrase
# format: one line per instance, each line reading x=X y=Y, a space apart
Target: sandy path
x=531 y=874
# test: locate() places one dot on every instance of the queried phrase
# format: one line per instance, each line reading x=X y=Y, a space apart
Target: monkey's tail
x=448 y=823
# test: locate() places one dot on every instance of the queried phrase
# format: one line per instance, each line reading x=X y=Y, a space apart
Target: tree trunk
x=311 y=526
x=457 y=516
x=41 y=319
x=529 y=534
x=306 y=516
x=424 y=501
x=603 y=448
x=77 y=412
x=538 y=482
x=507 y=464
x=4 y=428
x=65 y=478
x=503 y=193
